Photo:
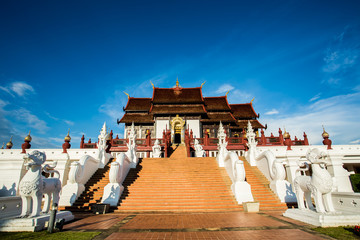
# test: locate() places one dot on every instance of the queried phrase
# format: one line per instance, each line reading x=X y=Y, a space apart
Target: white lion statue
x=319 y=184
x=33 y=185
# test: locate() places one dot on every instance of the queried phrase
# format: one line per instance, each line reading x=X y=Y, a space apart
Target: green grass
x=68 y=235
x=338 y=232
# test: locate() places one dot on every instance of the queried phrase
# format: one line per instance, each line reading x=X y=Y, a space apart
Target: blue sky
x=65 y=64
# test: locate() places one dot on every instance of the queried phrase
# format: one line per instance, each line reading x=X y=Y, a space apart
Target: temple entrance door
x=177 y=130
x=177 y=136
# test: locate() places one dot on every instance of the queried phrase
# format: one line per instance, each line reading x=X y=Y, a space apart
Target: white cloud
x=339 y=114
x=20 y=88
x=355 y=142
x=32 y=121
x=70 y=123
x=272 y=112
x=3 y=103
x=341 y=58
x=316 y=97
x=51 y=116
x=7 y=90
x=224 y=88
x=58 y=140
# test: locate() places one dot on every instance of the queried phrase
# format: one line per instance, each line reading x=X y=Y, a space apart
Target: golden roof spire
x=68 y=138
x=9 y=144
x=286 y=134
x=227 y=93
x=202 y=84
x=152 y=84
x=324 y=134
x=177 y=81
x=252 y=100
x=127 y=94
x=28 y=138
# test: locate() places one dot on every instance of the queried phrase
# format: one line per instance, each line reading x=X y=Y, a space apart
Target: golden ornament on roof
x=324 y=134
x=286 y=134
x=28 y=138
x=10 y=144
x=67 y=138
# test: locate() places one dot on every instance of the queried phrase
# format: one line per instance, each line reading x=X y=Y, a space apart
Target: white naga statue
x=199 y=151
x=251 y=137
x=33 y=185
x=103 y=156
x=319 y=184
x=131 y=152
x=156 y=149
x=221 y=146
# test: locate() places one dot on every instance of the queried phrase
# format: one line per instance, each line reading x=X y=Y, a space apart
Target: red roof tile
x=173 y=109
x=219 y=116
x=216 y=103
x=138 y=104
x=137 y=118
x=243 y=110
x=177 y=95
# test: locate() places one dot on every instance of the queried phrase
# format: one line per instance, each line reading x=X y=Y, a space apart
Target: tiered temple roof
x=189 y=101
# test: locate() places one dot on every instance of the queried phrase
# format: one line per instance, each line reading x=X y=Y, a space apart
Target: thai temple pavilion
x=179 y=108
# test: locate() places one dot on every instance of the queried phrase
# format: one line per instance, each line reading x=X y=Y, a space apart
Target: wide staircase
x=178 y=184
x=260 y=189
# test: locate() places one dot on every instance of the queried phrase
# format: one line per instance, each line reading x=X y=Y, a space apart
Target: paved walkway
x=230 y=225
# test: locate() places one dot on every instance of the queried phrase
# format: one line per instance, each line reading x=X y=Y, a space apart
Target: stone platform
x=323 y=219
x=16 y=224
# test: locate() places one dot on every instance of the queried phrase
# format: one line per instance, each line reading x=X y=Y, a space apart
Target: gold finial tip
x=324 y=134
x=127 y=94
x=252 y=100
x=68 y=138
x=177 y=81
x=28 y=138
x=152 y=84
x=227 y=93
x=203 y=84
